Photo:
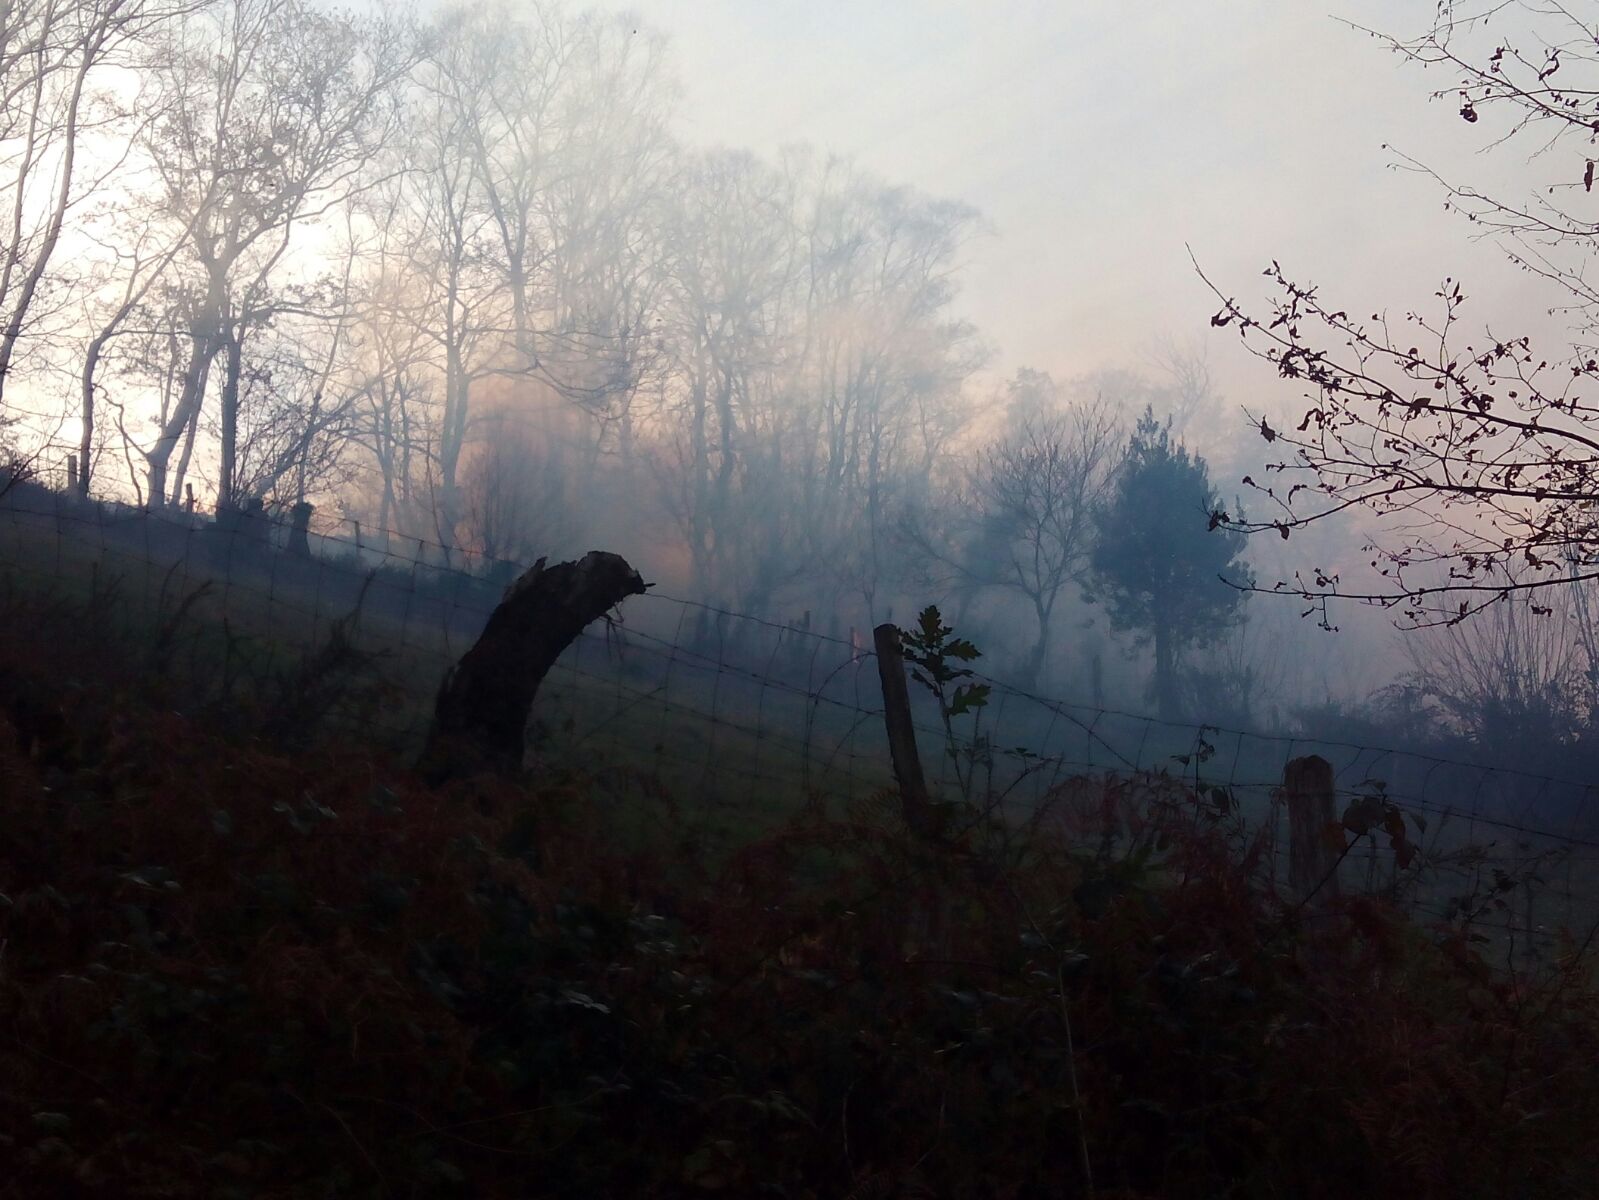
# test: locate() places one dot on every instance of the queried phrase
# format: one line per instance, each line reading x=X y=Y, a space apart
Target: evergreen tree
x=1158 y=565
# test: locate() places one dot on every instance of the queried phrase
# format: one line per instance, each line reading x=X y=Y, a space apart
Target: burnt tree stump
x=480 y=716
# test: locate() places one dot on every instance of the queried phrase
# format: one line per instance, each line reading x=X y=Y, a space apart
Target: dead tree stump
x=480 y=716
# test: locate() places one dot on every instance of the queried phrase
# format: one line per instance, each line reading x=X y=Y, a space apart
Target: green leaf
x=962 y=649
x=968 y=697
x=1363 y=813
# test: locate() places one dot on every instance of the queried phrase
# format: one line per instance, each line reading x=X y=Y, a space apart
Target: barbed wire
x=742 y=717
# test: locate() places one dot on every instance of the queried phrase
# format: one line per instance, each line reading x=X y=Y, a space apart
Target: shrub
x=233 y=970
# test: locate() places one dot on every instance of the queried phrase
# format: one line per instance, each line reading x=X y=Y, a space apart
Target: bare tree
x=1024 y=521
x=541 y=144
x=564 y=119
x=272 y=111
x=141 y=260
x=1512 y=678
x=393 y=384
x=297 y=405
x=815 y=373
x=885 y=362
x=729 y=276
x=51 y=54
x=517 y=498
x=462 y=305
x=1476 y=453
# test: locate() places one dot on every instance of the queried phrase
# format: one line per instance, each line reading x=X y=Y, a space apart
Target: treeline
x=453 y=274
x=458 y=279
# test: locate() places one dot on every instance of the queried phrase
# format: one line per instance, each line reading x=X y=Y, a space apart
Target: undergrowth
x=238 y=962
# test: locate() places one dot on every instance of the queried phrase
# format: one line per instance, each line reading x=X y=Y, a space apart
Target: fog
x=818 y=314
x=1100 y=142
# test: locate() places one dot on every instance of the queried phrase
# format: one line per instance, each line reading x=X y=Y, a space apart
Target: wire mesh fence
x=749 y=717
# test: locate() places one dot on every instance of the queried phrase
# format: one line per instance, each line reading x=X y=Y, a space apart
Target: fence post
x=300 y=529
x=1308 y=788
x=901 y=733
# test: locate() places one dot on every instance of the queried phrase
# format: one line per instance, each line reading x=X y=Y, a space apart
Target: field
x=745 y=722
x=246 y=952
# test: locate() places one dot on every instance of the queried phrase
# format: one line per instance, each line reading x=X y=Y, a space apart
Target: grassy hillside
x=240 y=960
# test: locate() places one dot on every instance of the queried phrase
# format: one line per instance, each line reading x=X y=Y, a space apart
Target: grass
x=226 y=621
x=239 y=967
x=696 y=951
x=743 y=739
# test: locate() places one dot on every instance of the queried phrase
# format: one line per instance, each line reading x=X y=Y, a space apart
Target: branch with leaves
x=1476 y=455
x=1479 y=459
x=932 y=650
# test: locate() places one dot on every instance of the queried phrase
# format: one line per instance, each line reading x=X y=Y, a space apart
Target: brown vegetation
x=231 y=970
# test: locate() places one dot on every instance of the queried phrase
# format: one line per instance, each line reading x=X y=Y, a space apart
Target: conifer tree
x=1159 y=567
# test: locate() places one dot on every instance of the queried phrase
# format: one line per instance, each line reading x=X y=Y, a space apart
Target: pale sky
x=1099 y=137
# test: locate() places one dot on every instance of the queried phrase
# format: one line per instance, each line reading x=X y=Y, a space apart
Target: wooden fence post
x=300 y=529
x=1312 y=860
x=914 y=800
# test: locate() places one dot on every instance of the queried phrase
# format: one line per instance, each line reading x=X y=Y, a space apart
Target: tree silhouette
x=1022 y=521
x=1477 y=454
x=1163 y=569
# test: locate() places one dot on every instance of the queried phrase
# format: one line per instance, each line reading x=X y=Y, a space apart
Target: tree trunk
x=451 y=440
x=228 y=468
x=1034 y=666
x=1165 y=684
x=203 y=348
x=91 y=364
x=300 y=529
x=52 y=234
x=480 y=717
x=178 y=489
x=136 y=291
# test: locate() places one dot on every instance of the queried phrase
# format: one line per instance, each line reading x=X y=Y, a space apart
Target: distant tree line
x=457 y=279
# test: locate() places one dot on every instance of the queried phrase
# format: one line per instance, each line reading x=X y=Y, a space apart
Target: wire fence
x=743 y=718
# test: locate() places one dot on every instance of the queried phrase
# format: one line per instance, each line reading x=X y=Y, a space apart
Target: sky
x=1104 y=140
